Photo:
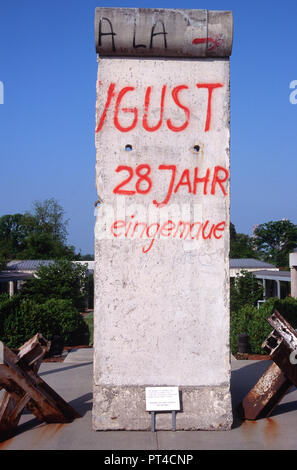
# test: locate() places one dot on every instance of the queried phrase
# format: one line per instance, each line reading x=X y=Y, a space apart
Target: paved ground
x=73 y=380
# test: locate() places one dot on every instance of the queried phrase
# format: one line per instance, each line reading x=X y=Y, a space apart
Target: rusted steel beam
x=24 y=388
x=51 y=406
x=284 y=344
x=11 y=407
x=265 y=395
x=281 y=357
x=284 y=329
x=34 y=350
x=279 y=377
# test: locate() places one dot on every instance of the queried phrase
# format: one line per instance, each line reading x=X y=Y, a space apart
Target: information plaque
x=162 y=399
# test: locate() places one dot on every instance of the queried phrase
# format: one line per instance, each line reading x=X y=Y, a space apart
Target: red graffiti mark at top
x=200 y=40
x=212 y=43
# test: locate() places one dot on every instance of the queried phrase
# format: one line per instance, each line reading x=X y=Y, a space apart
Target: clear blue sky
x=48 y=67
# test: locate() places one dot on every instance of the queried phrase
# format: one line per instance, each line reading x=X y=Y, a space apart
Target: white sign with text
x=162 y=399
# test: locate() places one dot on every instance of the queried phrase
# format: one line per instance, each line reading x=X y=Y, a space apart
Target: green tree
x=86 y=257
x=14 y=230
x=40 y=235
x=3 y=262
x=62 y=279
x=49 y=216
x=241 y=245
x=274 y=241
x=41 y=245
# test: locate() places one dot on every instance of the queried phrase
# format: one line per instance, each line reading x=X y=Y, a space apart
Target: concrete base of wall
x=123 y=408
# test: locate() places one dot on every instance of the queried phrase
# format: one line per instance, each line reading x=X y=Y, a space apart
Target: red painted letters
x=146 y=108
x=117 y=189
x=219 y=177
x=180 y=229
x=137 y=180
x=175 y=93
x=134 y=111
x=210 y=87
x=110 y=95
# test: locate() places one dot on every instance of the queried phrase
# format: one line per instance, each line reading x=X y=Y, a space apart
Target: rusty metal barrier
x=25 y=389
x=281 y=344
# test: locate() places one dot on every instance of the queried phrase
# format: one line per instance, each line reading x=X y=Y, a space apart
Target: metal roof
x=33 y=265
x=241 y=263
x=27 y=265
x=274 y=275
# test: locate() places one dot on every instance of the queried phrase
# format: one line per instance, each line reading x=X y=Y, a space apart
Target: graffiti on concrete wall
x=128 y=108
x=114 y=99
x=157 y=36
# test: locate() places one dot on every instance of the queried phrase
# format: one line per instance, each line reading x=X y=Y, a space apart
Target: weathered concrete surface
x=167 y=33
x=162 y=304
x=205 y=408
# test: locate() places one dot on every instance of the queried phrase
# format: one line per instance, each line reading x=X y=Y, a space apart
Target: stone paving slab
x=73 y=381
x=79 y=355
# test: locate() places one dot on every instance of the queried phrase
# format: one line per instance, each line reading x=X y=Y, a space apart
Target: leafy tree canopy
x=38 y=235
x=86 y=257
x=49 y=217
x=274 y=241
x=241 y=245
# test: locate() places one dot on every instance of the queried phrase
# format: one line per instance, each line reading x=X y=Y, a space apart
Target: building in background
x=17 y=272
x=276 y=283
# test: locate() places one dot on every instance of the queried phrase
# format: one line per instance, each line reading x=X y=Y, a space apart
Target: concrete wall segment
x=148 y=32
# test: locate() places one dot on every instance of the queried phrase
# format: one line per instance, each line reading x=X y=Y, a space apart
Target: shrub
x=60 y=280
x=258 y=327
x=7 y=305
x=239 y=324
x=53 y=317
x=90 y=290
x=288 y=309
x=252 y=321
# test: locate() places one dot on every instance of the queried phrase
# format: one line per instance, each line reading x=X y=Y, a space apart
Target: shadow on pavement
x=83 y=404
x=61 y=369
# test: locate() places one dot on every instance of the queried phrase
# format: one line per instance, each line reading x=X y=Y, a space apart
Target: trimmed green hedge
x=7 y=306
x=25 y=318
x=252 y=321
x=61 y=280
